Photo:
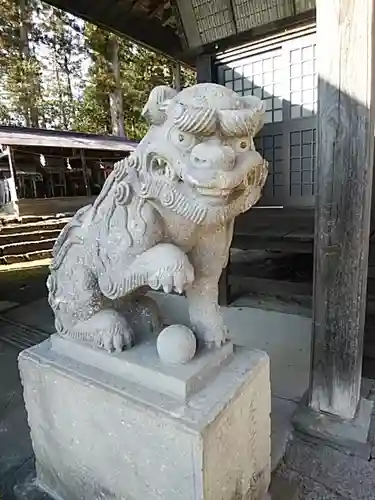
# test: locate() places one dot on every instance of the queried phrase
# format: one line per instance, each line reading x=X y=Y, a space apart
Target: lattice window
x=302 y=154
x=285 y=77
x=270 y=147
x=302 y=81
x=260 y=76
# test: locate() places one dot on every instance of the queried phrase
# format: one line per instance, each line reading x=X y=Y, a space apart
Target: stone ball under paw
x=176 y=344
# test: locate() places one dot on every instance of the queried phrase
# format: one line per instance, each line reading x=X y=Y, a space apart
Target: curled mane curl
x=201 y=121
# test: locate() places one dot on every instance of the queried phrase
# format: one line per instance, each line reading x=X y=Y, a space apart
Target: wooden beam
x=343 y=201
x=252 y=284
x=270 y=244
x=85 y=174
x=116 y=17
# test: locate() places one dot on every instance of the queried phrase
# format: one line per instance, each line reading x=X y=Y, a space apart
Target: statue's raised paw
x=174 y=275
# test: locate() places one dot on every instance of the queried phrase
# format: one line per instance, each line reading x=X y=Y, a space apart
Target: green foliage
x=20 y=68
x=58 y=72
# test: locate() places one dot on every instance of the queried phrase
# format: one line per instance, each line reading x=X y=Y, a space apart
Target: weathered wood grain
x=345 y=42
x=85 y=173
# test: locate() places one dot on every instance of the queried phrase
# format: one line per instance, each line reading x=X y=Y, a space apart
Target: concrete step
x=26 y=257
x=26 y=247
x=43 y=234
x=29 y=219
x=30 y=238
x=29 y=227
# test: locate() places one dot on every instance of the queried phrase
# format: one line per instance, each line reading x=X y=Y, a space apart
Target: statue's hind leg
x=77 y=302
x=107 y=329
x=142 y=314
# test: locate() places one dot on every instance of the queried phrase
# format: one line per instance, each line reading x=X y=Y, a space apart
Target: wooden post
x=205 y=69
x=177 y=76
x=13 y=178
x=345 y=48
x=84 y=172
x=13 y=172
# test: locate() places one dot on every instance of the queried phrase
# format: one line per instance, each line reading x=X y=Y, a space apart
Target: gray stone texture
x=164 y=218
x=332 y=428
x=346 y=475
x=97 y=435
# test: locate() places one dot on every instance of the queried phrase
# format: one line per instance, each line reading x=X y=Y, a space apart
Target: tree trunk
x=68 y=78
x=31 y=111
x=58 y=80
x=115 y=97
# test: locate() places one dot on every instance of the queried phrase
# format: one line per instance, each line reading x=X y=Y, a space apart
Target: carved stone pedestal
x=128 y=427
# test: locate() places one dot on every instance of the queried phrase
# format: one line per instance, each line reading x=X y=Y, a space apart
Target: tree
x=22 y=83
x=57 y=71
x=62 y=43
x=119 y=81
x=116 y=103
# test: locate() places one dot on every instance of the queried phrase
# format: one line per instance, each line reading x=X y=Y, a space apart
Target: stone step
x=43 y=234
x=26 y=247
x=30 y=238
x=29 y=227
x=26 y=257
x=29 y=219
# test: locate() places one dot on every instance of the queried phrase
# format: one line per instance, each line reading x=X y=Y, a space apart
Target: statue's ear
x=257 y=110
x=159 y=98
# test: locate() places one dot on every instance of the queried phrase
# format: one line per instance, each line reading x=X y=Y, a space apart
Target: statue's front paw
x=177 y=276
x=212 y=334
x=216 y=337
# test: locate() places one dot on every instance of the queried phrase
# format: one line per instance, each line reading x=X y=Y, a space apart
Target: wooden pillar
x=84 y=172
x=345 y=59
x=205 y=69
x=13 y=175
x=177 y=76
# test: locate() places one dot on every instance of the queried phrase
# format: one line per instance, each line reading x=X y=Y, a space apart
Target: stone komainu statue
x=164 y=219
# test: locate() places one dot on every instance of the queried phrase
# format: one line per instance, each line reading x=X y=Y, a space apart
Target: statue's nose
x=206 y=155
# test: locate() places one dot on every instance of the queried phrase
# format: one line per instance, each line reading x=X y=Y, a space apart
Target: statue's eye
x=241 y=145
x=181 y=139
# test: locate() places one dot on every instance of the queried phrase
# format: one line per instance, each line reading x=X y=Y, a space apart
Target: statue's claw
x=107 y=329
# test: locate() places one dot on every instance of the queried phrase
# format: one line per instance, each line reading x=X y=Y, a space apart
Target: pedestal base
x=339 y=433
x=100 y=433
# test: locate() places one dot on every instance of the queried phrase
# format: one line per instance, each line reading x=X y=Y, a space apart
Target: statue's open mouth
x=159 y=165
x=216 y=192
x=236 y=183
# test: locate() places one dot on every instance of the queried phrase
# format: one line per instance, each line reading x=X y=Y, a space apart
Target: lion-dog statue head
x=200 y=145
